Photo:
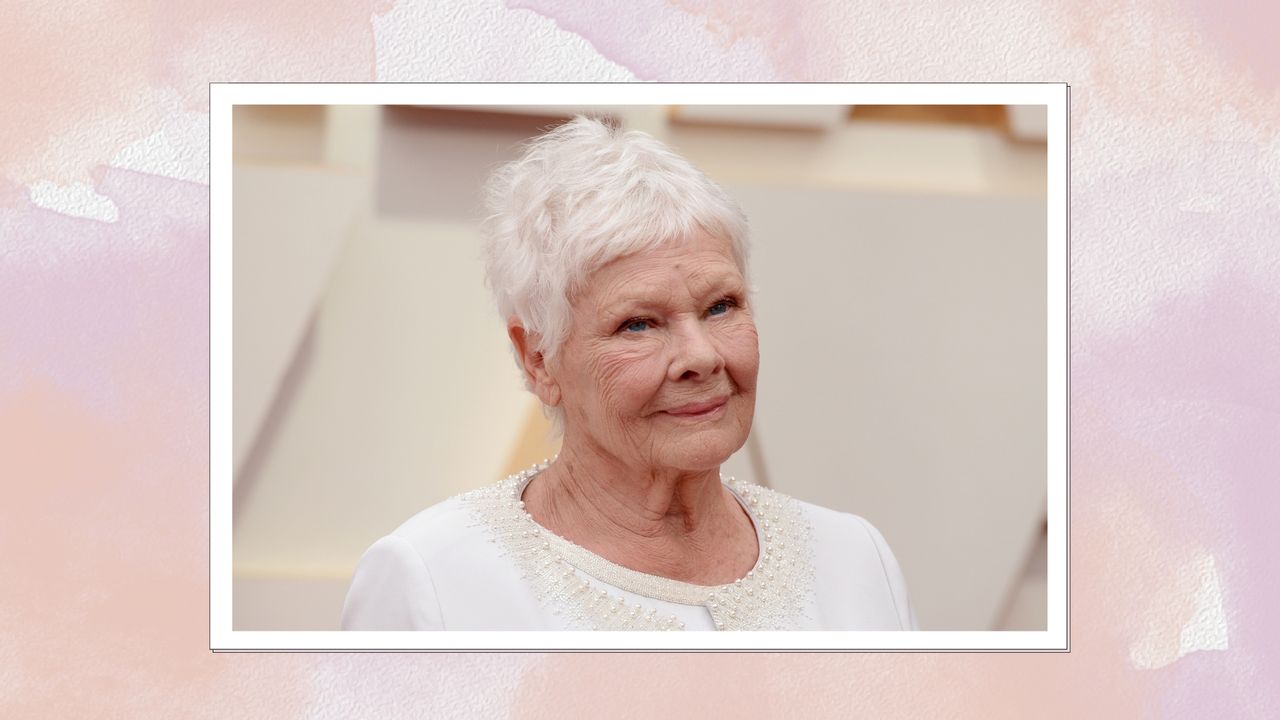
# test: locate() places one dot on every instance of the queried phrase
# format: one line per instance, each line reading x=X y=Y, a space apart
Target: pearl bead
x=589 y=606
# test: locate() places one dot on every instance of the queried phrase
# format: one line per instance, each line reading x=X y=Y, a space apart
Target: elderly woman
x=621 y=273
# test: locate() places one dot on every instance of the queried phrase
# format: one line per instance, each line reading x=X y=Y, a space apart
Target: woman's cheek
x=744 y=355
x=625 y=378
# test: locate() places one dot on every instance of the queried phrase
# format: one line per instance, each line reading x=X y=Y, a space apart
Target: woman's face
x=659 y=368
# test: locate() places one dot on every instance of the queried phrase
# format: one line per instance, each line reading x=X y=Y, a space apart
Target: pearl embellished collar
x=772 y=596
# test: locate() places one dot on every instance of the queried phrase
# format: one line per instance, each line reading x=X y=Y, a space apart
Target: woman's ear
x=537 y=375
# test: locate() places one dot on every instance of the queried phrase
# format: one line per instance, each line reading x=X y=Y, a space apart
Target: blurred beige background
x=899 y=253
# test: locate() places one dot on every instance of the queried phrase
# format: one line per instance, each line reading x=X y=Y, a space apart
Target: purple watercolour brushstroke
x=1244 y=32
x=105 y=415
x=1195 y=388
x=1187 y=377
x=657 y=41
x=158 y=222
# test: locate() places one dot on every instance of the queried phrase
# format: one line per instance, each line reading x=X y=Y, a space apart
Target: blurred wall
x=900 y=266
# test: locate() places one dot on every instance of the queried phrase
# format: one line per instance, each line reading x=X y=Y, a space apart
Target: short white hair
x=579 y=196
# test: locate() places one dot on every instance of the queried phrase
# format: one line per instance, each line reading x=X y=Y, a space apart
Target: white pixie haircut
x=578 y=197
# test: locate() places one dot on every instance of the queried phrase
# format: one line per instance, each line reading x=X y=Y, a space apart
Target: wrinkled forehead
x=701 y=263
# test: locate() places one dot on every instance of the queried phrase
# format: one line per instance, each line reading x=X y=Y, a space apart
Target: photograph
x=761 y=367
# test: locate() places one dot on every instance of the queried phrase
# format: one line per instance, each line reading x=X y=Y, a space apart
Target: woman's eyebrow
x=632 y=303
x=721 y=284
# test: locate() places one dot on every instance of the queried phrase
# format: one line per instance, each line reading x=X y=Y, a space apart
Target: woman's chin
x=705 y=450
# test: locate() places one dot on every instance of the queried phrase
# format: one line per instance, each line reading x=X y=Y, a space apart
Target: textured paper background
x=104 y=349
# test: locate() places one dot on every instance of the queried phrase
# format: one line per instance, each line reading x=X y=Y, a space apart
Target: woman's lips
x=700 y=409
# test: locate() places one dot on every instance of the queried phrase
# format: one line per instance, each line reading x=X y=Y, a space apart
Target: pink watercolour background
x=104 y=348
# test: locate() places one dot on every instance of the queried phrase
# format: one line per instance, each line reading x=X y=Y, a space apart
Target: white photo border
x=223 y=96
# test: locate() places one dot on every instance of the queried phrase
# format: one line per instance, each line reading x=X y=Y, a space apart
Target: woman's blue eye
x=637 y=325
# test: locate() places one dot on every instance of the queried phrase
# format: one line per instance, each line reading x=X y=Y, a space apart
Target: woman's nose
x=695 y=352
